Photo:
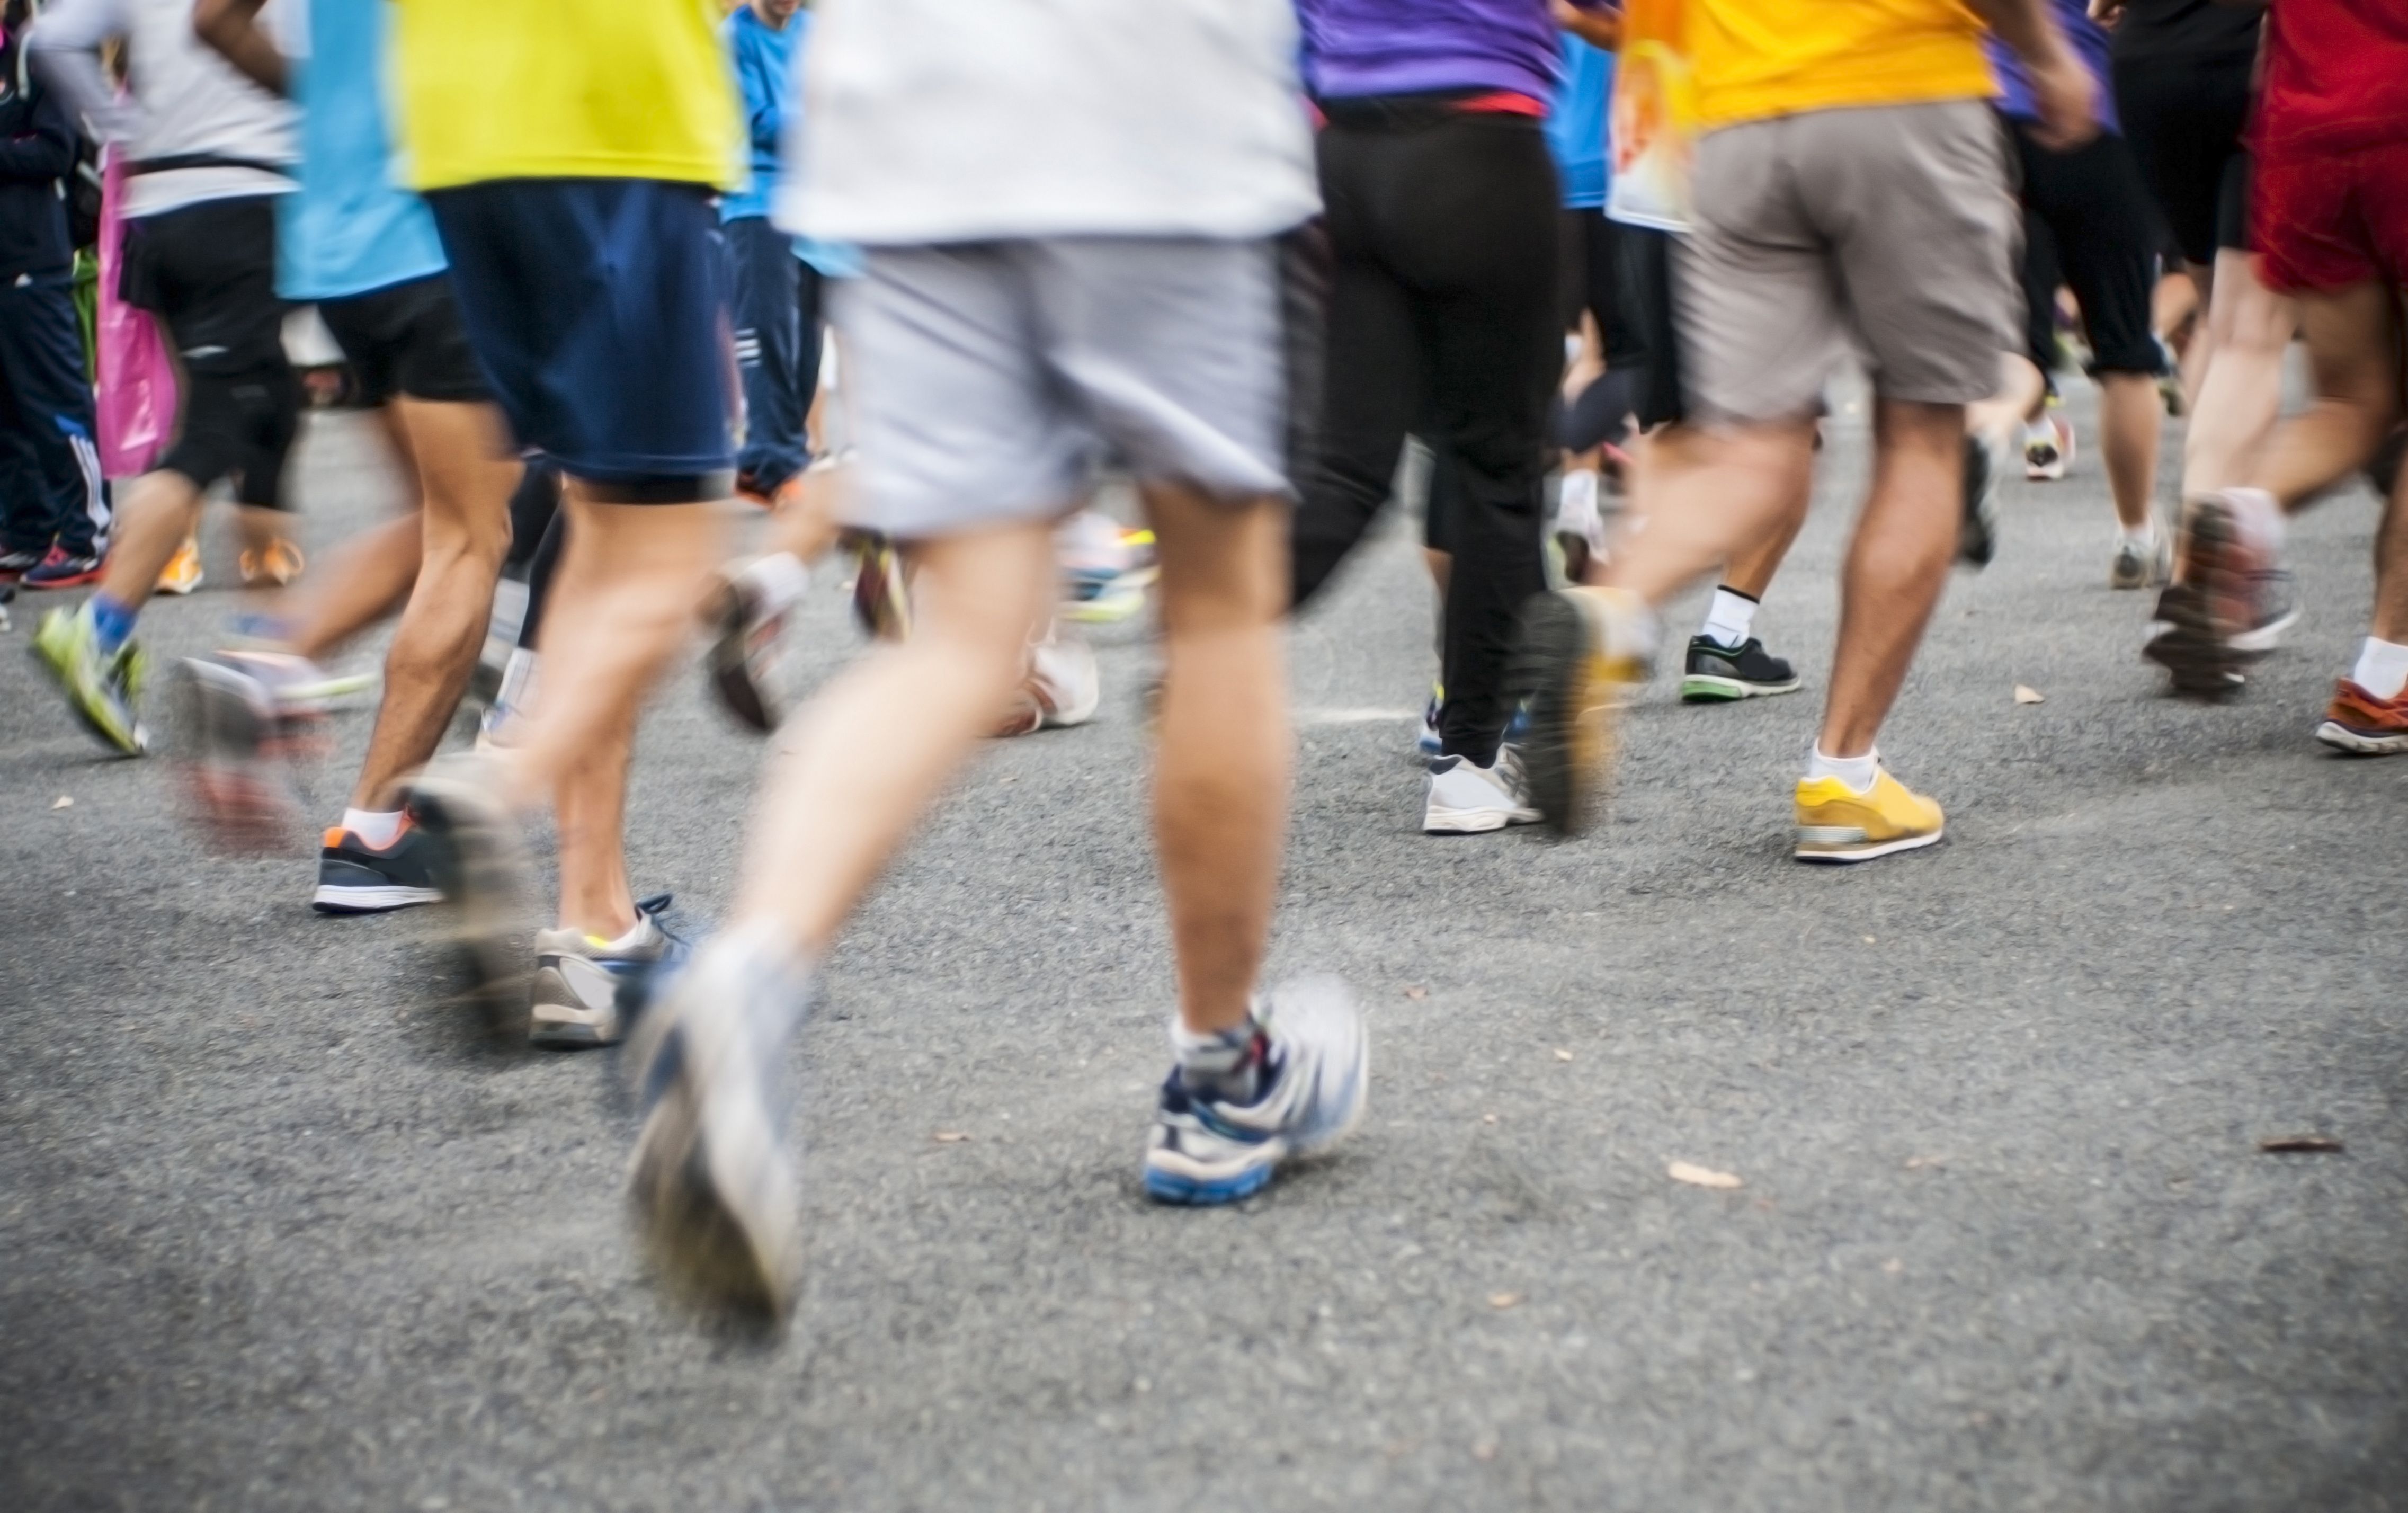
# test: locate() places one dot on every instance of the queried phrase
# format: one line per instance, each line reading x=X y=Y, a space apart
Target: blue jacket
x=37 y=154
x=764 y=64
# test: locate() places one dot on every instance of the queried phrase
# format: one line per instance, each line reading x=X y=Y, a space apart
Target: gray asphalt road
x=2006 y=1238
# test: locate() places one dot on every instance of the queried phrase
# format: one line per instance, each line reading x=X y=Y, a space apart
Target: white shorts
x=988 y=380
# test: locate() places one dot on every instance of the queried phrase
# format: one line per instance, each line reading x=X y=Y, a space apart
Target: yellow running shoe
x=1835 y=823
x=182 y=573
x=1577 y=650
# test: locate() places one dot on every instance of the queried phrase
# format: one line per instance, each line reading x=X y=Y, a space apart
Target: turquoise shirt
x=351 y=228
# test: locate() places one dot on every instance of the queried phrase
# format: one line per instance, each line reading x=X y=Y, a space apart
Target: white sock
x=2258 y=516
x=2382 y=668
x=518 y=681
x=376 y=829
x=1728 y=617
x=781 y=578
x=1858 y=772
x=2141 y=535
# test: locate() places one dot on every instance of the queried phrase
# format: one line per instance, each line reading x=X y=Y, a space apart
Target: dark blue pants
x=776 y=350
x=51 y=487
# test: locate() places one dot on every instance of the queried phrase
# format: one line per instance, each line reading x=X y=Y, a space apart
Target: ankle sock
x=1225 y=1064
x=376 y=828
x=781 y=579
x=112 y=622
x=2258 y=517
x=1858 y=772
x=2142 y=536
x=1728 y=617
x=2382 y=667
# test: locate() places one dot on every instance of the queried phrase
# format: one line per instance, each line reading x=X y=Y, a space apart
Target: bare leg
x=2391 y=567
x=2022 y=392
x=932 y=698
x=1751 y=569
x=2241 y=391
x=159 y=510
x=2131 y=412
x=367 y=580
x=1701 y=493
x=1905 y=540
x=2354 y=350
x=806 y=524
x=465 y=471
x=1222 y=764
x=591 y=813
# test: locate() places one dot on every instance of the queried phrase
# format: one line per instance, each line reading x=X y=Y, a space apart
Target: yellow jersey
x=565 y=89
x=1756 y=59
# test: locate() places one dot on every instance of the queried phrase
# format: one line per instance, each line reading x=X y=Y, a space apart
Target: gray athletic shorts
x=1890 y=229
x=989 y=379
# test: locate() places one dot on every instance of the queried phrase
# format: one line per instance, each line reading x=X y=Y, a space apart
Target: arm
x=64 y=48
x=2062 y=89
x=45 y=153
x=231 y=27
x=1599 y=29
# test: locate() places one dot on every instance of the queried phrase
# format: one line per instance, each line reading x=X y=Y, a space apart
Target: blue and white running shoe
x=1431 y=743
x=712 y=1185
x=1316 y=1074
x=584 y=987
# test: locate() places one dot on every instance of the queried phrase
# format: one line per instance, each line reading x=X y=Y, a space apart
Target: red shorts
x=2326 y=221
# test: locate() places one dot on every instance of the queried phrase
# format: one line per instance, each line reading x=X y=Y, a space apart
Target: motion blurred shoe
x=1430 y=743
x=1977 y=532
x=2139 y=566
x=105 y=691
x=1063 y=688
x=1311 y=1082
x=16 y=564
x=2231 y=606
x=2048 y=448
x=743 y=659
x=2364 y=725
x=182 y=573
x=479 y=863
x=1465 y=798
x=1574 y=653
x=712 y=1187
x=1837 y=824
x=57 y=569
x=356 y=878
x=583 y=984
x=273 y=566
x=235 y=791
x=881 y=599
x=1716 y=673
x=1106 y=569
x=1579 y=526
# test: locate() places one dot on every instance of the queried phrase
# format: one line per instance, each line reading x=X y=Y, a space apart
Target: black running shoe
x=1977 y=534
x=356 y=878
x=1718 y=673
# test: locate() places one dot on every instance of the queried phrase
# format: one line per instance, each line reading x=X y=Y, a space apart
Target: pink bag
x=136 y=391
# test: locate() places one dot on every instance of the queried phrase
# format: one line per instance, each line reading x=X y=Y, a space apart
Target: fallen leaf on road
x=951 y=1137
x=1484 y=1450
x=1416 y=992
x=64 y=803
x=1700 y=1176
x=1916 y=1163
x=1893 y=1265
x=2301 y=1145
x=1488 y=1119
x=2030 y=695
x=1503 y=1300
x=1563 y=1056
x=1868 y=940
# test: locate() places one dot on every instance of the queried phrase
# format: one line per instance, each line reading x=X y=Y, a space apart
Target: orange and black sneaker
x=356 y=878
x=2364 y=725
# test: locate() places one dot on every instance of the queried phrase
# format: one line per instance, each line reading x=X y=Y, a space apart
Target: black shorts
x=2185 y=120
x=1646 y=256
x=2086 y=219
x=208 y=272
x=407 y=339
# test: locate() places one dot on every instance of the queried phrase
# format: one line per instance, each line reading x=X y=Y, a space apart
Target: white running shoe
x=1580 y=525
x=2048 y=448
x=1467 y=800
x=1062 y=689
x=1316 y=1070
x=581 y=979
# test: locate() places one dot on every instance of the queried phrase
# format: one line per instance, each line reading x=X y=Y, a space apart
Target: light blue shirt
x=350 y=229
x=1576 y=123
x=767 y=77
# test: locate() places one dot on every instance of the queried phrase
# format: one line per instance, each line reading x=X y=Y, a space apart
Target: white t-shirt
x=934 y=120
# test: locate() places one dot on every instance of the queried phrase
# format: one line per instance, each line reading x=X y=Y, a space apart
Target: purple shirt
x=1404 y=47
x=2090 y=44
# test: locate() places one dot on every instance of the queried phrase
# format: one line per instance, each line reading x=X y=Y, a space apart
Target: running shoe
x=59 y=570
x=1466 y=798
x=1062 y=689
x=15 y=565
x=1579 y=525
x=356 y=878
x=104 y=690
x=2362 y=725
x=1717 y=674
x=1313 y=1081
x=1430 y=743
x=1837 y=824
x=182 y=573
x=743 y=659
x=227 y=726
x=712 y=1185
x=2048 y=449
x=1977 y=533
x=273 y=566
x=1573 y=653
x=478 y=863
x=584 y=985
x=881 y=600
x=1106 y=569
x=2232 y=605
x=2142 y=567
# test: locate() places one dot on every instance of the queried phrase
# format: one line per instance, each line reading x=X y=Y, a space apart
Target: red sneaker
x=2362 y=725
x=60 y=571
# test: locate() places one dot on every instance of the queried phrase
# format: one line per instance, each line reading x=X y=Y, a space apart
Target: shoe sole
x=560 y=1016
x=1200 y=1192
x=2355 y=743
x=1475 y=821
x=2261 y=640
x=80 y=580
x=1699 y=688
x=731 y=672
x=1869 y=852
x=331 y=900
x=1555 y=673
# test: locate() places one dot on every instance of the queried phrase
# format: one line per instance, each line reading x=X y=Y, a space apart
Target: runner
x=569 y=152
x=1848 y=148
x=53 y=503
x=2332 y=220
x=208 y=152
x=1069 y=213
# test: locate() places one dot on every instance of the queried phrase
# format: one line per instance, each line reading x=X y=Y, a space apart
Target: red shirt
x=2336 y=76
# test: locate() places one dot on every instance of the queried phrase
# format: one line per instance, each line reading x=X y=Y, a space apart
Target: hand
x=2107 y=12
x=2066 y=97
x=1598 y=28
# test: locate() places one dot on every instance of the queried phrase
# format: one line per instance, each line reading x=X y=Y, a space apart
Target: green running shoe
x=103 y=691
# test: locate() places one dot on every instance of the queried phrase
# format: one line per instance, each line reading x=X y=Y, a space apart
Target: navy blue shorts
x=598 y=308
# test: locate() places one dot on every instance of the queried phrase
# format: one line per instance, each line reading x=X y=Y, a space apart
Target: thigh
x=1756 y=306
x=2092 y=200
x=1923 y=225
